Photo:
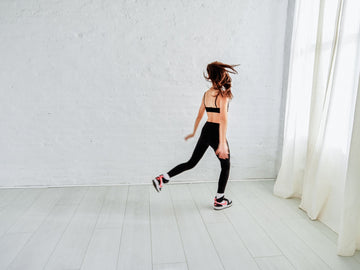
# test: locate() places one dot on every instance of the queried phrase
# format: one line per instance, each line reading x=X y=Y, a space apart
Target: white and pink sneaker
x=159 y=181
x=222 y=203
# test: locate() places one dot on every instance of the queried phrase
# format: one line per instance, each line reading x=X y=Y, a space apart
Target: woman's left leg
x=199 y=151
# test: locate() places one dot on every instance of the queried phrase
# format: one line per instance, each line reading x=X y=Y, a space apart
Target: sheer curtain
x=320 y=161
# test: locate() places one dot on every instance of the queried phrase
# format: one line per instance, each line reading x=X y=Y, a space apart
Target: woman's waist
x=211 y=126
x=213 y=117
x=212 y=123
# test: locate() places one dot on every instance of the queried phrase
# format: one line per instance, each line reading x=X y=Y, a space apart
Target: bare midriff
x=213 y=117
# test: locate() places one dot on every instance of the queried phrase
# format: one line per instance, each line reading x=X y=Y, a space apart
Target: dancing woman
x=216 y=103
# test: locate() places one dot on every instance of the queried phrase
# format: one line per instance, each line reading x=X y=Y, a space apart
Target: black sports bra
x=212 y=109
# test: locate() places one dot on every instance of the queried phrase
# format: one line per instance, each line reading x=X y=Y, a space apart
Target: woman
x=216 y=103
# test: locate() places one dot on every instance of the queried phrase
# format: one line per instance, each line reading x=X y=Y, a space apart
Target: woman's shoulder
x=214 y=92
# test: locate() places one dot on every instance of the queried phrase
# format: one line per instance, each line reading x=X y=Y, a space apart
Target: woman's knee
x=191 y=163
x=225 y=164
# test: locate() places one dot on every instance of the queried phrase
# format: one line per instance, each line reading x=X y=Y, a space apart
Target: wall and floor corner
x=104 y=92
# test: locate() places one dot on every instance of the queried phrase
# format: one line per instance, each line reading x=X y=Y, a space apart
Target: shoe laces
x=160 y=179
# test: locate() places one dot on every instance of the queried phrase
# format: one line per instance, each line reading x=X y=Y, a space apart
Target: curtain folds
x=321 y=133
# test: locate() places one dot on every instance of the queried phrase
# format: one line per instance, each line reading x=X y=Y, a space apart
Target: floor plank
x=10 y=246
x=230 y=247
x=199 y=249
x=227 y=242
x=38 y=211
x=204 y=199
x=170 y=266
x=294 y=248
x=103 y=250
x=274 y=263
x=38 y=248
x=9 y=195
x=135 y=246
x=357 y=256
x=72 y=195
x=70 y=250
x=320 y=243
x=166 y=241
x=13 y=211
x=113 y=209
x=134 y=227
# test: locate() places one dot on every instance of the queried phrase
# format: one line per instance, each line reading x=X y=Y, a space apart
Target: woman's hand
x=222 y=151
x=189 y=136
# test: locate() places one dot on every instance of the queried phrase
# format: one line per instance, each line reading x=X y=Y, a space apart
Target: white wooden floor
x=133 y=227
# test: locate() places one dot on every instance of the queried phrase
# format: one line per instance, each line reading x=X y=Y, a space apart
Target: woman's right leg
x=198 y=153
x=225 y=166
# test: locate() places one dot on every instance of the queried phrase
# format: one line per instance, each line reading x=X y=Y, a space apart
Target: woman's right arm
x=197 y=120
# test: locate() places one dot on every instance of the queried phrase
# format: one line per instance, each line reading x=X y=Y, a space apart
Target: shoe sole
x=156 y=185
x=222 y=207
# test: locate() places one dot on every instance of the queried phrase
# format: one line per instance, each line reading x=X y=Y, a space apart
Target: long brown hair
x=218 y=74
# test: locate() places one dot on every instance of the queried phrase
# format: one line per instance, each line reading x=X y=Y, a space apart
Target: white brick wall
x=96 y=92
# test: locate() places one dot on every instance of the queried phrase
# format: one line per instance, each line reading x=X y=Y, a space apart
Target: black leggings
x=209 y=136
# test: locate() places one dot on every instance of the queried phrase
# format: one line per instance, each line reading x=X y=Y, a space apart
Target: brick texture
x=104 y=92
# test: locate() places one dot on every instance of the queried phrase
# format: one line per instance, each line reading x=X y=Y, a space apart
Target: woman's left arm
x=223 y=151
x=197 y=121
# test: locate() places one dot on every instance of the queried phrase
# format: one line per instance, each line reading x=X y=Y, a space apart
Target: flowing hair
x=218 y=74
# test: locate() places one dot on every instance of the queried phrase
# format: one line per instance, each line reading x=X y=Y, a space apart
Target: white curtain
x=320 y=160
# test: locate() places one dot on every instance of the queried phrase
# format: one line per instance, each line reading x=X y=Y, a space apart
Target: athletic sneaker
x=159 y=181
x=222 y=203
